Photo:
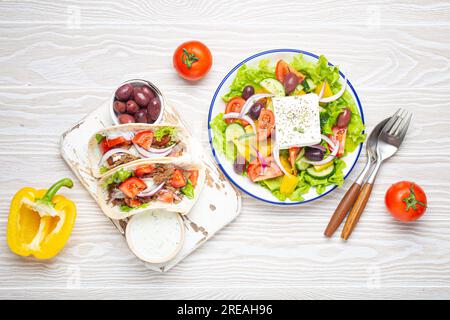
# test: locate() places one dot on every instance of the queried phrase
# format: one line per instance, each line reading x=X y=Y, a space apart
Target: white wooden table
x=60 y=60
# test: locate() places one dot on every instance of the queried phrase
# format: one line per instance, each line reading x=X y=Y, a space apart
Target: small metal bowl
x=139 y=83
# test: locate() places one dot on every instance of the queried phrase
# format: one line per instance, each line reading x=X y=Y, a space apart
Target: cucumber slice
x=328 y=172
x=301 y=165
x=233 y=132
x=273 y=86
x=309 y=85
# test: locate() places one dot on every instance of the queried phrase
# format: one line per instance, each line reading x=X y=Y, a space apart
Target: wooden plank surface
x=60 y=60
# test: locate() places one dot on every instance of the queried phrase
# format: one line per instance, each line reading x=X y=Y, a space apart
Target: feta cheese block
x=297 y=120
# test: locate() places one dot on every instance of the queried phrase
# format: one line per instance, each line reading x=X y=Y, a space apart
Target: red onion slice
x=117 y=194
x=328 y=140
x=337 y=95
x=162 y=150
x=111 y=153
x=149 y=191
x=149 y=154
x=251 y=101
x=261 y=159
x=276 y=156
x=323 y=89
x=318 y=146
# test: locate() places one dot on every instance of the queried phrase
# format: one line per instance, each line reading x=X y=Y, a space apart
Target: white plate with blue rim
x=218 y=106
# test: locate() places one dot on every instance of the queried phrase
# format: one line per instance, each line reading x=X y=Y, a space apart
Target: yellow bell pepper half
x=40 y=222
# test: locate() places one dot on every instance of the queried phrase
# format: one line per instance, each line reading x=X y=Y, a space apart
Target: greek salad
x=286 y=125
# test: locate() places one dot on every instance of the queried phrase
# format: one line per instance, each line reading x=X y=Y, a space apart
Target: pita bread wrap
x=119 y=155
x=108 y=187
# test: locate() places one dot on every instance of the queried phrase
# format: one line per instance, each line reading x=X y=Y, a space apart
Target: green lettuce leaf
x=99 y=137
x=316 y=71
x=117 y=177
x=218 y=127
x=272 y=184
x=163 y=131
x=126 y=208
x=188 y=190
x=249 y=76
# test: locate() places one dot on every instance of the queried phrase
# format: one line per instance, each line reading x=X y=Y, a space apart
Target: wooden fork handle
x=342 y=209
x=356 y=211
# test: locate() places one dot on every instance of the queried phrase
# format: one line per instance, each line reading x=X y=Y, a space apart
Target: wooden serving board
x=218 y=204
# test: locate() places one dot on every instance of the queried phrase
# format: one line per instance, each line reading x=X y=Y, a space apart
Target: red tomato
x=165 y=196
x=117 y=142
x=193 y=177
x=178 y=179
x=406 y=201
x=132 y=186
x=339 y=135
x=266 y=123
x=283 y=68
x=256 y=173
x=192 y=60
x=293 y=153
x=104 y=146
x=143 y=170
x=133 y=202
x=144 y=139
x=235 y=105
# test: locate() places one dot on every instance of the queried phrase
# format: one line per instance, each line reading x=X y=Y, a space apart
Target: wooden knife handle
x=342 y=209
x=356 y=211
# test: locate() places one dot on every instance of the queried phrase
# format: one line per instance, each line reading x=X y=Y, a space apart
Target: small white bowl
x=155 y=236
x=138 y=83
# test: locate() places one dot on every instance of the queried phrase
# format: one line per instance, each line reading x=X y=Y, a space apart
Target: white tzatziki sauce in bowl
x=155 y=236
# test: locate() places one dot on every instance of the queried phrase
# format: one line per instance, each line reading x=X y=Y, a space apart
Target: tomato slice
x=144 y=139
x=256 y=173
x=293 y=153
x=132 y=186
x=104 y=147
x=193 y=177
x=116 y=142
x=133 y=202
x=165 y=196
x=143 y=170
x=283 y=68
x=178 y=179
x=235 y=105
x=266 y=123
x=339 y=135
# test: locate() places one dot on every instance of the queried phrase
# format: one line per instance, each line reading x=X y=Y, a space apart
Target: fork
x=389 y=141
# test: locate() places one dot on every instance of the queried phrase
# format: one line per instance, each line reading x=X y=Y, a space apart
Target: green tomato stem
x=188 y=58
x=51 y=192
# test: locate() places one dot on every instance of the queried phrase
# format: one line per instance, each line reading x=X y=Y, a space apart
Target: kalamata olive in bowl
x=124 y=92
x=136 y=95
x=154 y=109
x=255 y=110
x=120 y=107
x=344 y=118
x=141 y=116
x=290 y=82
x=148 y=92
x=314 y=154
x=132 y=107
x=126 y=118
x=239 y=164
x=247 y=92
x=141 y=98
